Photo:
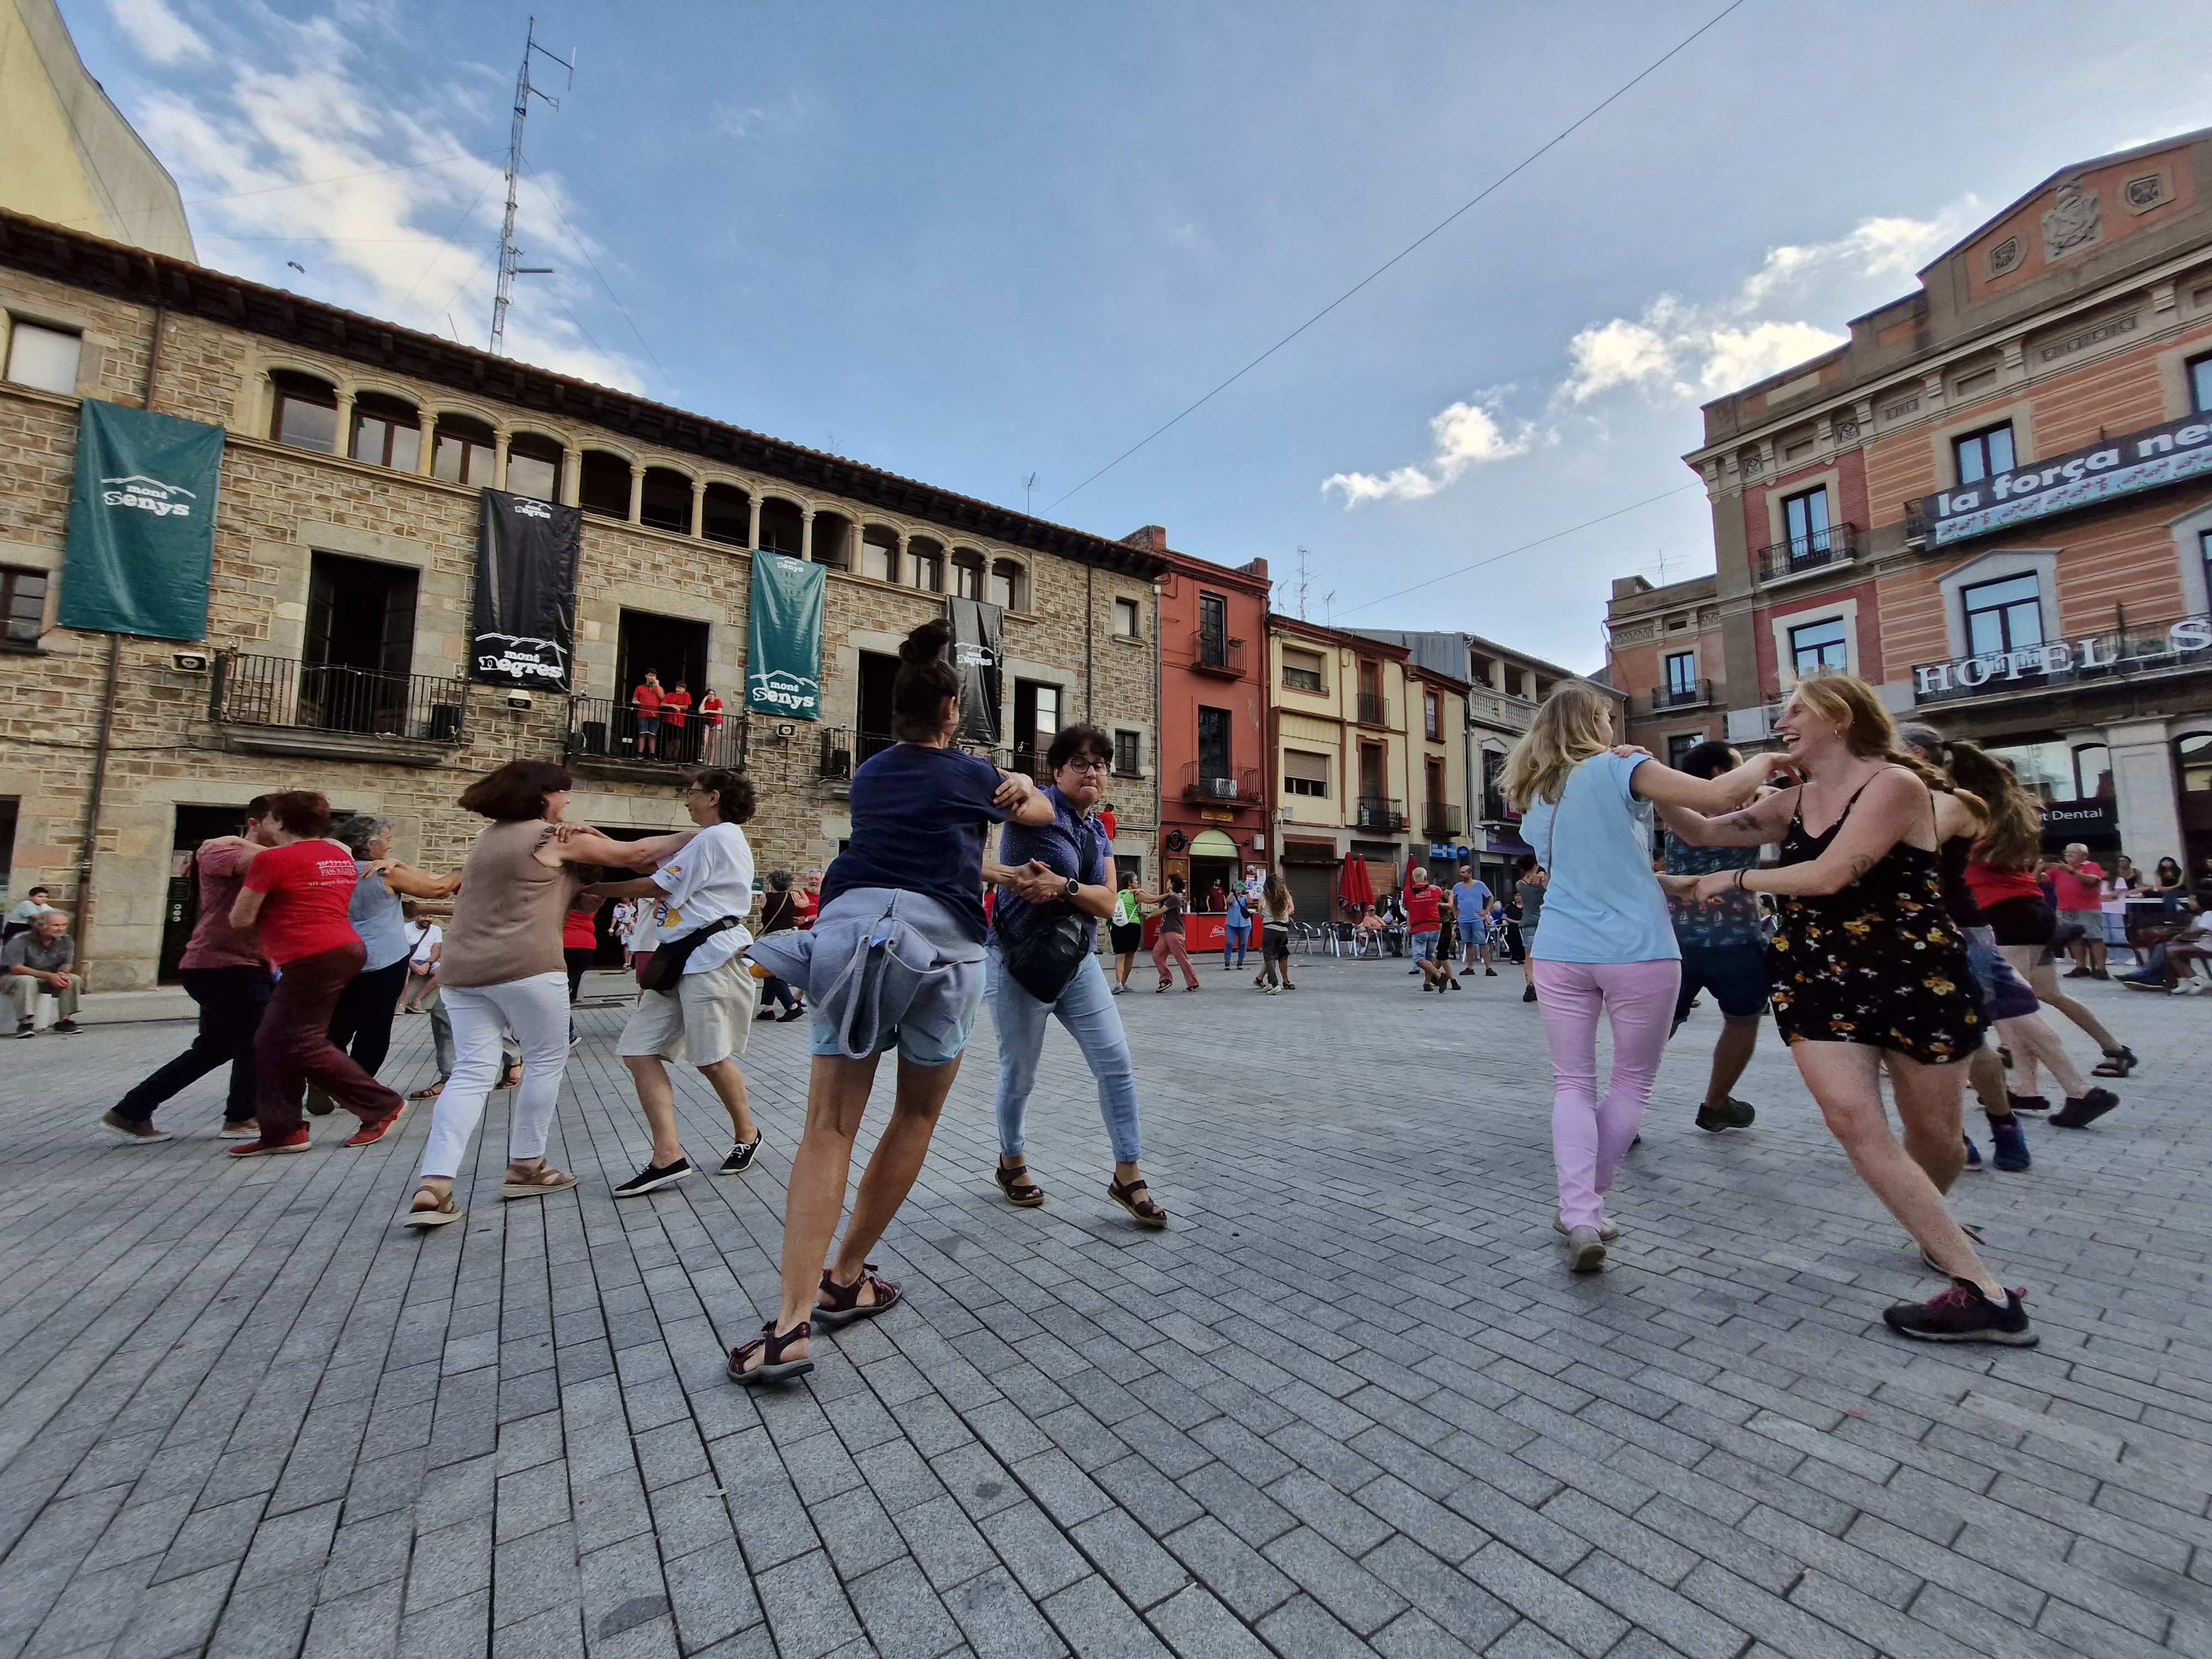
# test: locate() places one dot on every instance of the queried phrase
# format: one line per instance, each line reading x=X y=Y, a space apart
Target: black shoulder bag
x=1044 y=956
x=665 y=973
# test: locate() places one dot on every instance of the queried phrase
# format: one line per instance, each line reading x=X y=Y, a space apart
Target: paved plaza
x=1350 y=1402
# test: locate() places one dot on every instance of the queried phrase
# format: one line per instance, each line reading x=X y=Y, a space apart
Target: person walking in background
x=700 y=1012
x=1723 y=951
x=24 y=912
x=222 y=972
x=1424 y=919
x=1050 y=869
x=1471 y=899
x=504 y=969
x=1529 y=888
x=1125 y=932
x=894 y=960
x=1605 y=945
x=779 y=915
x=360 y=1024
x=645 y=706
x=425 y=941
x=2079 y=887
x=297 y=893
x=1168 y=944
x=1235 y=931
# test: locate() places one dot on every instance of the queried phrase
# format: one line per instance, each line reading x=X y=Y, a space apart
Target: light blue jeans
x=1235 y=940
x=1086 y=1009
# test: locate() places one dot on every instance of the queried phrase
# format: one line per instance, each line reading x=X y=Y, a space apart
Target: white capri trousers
x=537 y=1010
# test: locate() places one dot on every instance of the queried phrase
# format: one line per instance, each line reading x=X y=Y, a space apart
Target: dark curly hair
x=924 y=680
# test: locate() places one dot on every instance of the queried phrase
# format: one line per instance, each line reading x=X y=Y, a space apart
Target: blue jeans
x=1235 y=939
x=1086 y=1009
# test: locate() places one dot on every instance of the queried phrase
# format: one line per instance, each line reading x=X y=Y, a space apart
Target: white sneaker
x=2188 y=987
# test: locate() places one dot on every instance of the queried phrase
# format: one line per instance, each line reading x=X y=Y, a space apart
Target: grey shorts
x=710 y=1020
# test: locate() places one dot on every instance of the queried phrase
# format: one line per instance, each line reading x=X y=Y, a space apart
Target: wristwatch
x=1073 y=887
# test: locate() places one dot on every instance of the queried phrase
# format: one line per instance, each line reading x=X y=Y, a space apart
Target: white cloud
x=1466 y=435
x=292 y=101
x=157 y=32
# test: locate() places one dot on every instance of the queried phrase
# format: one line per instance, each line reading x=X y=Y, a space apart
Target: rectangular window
x=1805 y=523
x=23 y=602
x=1680 y=745
x=1815 y=646
x=44 y=357
x=1682 y=674
x=1982 y=454
x=2200 y=384
x=1213 y=742
x=1128 y=753
x=537 y=475
x=2003 y=616
x=1302 y=670
x=1127 y=619
x=386 y=436
x=1432 y=716
x=877 y=560
x=1305 y=774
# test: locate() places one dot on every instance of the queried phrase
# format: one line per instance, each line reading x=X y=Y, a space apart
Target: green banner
x=783 y=638
x=142 y=524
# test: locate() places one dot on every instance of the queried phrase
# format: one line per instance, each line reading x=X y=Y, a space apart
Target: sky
x=980 y=245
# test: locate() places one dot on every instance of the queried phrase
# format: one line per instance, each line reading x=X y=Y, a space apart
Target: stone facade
x=280 y=504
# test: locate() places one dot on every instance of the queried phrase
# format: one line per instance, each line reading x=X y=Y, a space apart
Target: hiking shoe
x=2008 y=1148
x=654 y=1176
x=1973 y=1158
x=1963 y=1314
x=1528 y=994
x=1585 y=1250
x=741 y=1156
x=375 y=1130
x=1733 y=1114
x=1607 y=1231
x=297 y=1141
x=2079 y=1111
x=138 y=1133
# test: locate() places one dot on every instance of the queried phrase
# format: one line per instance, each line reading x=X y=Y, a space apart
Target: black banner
x=525 y=617
x=976 y=656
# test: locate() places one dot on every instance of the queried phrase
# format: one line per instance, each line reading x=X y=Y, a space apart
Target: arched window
x=666 y=501
x=2093 y=772
x=306 y=412
x=533 y=466
x=603 y=484
x=880 y=554
x=1008 y=588
x=925 y=564
x=386 y=432
x=833 y=536
x=968 y=573
x=781 y=525
x=726 y=514
x=2192 y=759
x=464 y=451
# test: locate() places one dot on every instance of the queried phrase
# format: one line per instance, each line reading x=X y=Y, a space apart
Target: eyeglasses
x=1089 y=766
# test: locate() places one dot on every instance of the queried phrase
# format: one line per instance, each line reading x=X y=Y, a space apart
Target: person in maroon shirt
x=222 y=971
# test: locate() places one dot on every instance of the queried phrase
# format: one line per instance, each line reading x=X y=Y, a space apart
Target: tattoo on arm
x=1860 y=863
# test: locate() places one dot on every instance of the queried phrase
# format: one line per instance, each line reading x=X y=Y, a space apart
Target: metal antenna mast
x=509 y=269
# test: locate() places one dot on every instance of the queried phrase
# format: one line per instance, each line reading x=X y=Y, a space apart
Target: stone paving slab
x=1349 y=1403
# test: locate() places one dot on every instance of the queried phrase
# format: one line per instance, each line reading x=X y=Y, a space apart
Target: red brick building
x=1214 y=778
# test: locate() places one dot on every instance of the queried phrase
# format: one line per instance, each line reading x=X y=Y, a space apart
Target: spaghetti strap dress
x=1880 y=961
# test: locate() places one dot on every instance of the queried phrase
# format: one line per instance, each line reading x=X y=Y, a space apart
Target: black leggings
x=579 y=957
x=2021 y=920
x=361 y=1026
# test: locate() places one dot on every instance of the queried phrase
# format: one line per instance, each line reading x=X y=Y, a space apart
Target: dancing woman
x=1607 y=945
x=1125 y=929
x=1869 y=973
x=894 y=960
x=1277 y=907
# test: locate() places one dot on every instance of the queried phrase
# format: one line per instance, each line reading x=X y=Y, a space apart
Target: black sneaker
x=1528 y=994
x=654 y=1176
x=2027 y=1103
x=2081 y=1110
x=741 y=1156
x=1963 y=1314
x=68 y=1027
x=1489 y=973
x=25 y=1028
x=1733 y=1113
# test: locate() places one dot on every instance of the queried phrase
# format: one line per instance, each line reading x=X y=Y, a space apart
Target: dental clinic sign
x=2060 y=660
x=2117 y=466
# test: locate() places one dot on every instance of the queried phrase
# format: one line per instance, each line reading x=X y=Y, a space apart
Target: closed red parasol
x=1353 y=889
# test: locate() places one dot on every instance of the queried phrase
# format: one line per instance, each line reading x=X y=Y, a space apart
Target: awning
x=1213 y=844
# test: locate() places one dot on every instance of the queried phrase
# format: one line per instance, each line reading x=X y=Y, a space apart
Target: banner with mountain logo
x=783 y=638
x=142 y=524
x=525 y=632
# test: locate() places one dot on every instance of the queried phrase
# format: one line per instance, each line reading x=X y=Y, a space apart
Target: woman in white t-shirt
x=426 y=943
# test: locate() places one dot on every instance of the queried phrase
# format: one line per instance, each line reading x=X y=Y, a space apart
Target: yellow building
x=66 y=154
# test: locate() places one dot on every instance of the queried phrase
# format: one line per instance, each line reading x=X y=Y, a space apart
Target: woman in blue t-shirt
x=1606 y=944
x=895 y=957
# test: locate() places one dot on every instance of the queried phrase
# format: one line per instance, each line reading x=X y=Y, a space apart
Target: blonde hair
x=1574 y=723
x=1868 y=729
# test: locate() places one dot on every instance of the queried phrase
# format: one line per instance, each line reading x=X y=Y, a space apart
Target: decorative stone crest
x=2074 y=222
x=2005 y=256
x=2142 y=195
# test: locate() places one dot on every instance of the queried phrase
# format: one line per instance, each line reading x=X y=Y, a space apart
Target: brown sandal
x=1019 y=1191
x=541 y=1180
x=446 y=1212
x=429 y=1092
x=844 y=1305
x=1137 y=1199
x=774 y=1367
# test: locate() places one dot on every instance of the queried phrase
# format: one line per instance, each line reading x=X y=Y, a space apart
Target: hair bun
x=928 y=642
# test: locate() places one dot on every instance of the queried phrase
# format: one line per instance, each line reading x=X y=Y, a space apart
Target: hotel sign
x=2061 y=661
x=2117 y=466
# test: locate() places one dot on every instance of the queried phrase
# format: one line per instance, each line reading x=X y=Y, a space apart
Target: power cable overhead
x=1526 y=161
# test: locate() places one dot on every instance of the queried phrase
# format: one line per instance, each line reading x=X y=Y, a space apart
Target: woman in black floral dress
x=1870 y=976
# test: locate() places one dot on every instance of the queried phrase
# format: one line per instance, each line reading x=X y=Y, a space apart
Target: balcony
x=1497 y=810
x=1502 y=710
x=1440 y=820
x=1372 y=710
x=843 y=752
x=2130 y=651
x=1216 y=654
x=1217 y=786
x=272 y=706
x=1802 y=555
x=604 y=738
x=1378 y=812
x=1695 y=694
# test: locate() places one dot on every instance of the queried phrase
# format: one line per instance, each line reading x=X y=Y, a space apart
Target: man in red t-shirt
x=2079 y=886
x=675 y=711
x=297 y=893
x=1425 y=920
x=645 y=703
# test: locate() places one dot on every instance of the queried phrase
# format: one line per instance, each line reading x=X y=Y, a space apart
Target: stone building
x=344 y=538
x=1994 y=502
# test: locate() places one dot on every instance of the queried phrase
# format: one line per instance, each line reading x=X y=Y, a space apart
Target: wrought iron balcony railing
x=1217 y=653
x=1373 y=709
x=1223 y=786
x=1378 y=812
x=1440 y=820
x=1837 y=544
x=1694 y=695
x=599 y=728
x=306 y=697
